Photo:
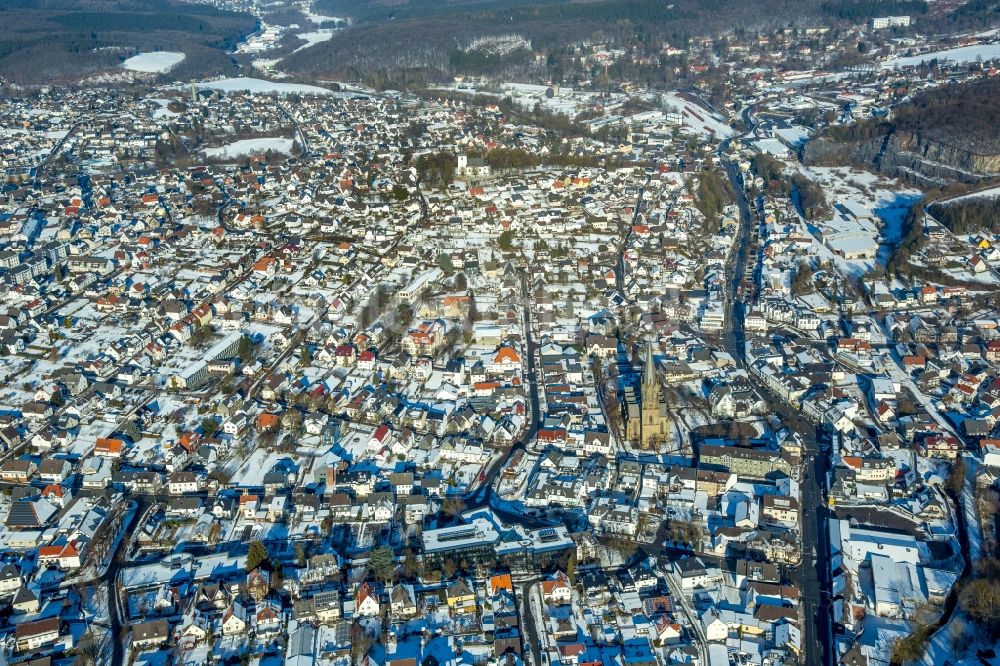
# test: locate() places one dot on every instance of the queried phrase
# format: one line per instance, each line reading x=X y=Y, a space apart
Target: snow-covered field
x=162 y=110
x=263 y=87
x=267 y=65
x=155 y=62
x=960 y=55
x=319 y=18
x=245 y=147
x=314 y=37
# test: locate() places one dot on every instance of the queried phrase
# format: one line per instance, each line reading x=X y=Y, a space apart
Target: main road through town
x=813 y=572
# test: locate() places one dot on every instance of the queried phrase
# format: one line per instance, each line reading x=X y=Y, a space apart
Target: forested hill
x=62 y=40
x=368 y=11
x=408 y=43
x=437 y=39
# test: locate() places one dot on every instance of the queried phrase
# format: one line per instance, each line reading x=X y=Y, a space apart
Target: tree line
x=859 y=10
x=437 y=169
x=969 y=215
x=712 y=195
x=423 y=36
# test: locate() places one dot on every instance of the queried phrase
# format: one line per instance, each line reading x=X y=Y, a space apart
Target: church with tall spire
x=647 y=422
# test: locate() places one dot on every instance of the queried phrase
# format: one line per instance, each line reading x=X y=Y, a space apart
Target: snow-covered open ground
x=267 y=64
x=570 y=102
x=888 y=200
x=567 y=101
x=991 y=193
x=320 y=18
x=960 y=55
x=314 y=37
x=162 y=110
x=263 y=87
x=698 y=118
x=245 y=147
x=155 y=62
